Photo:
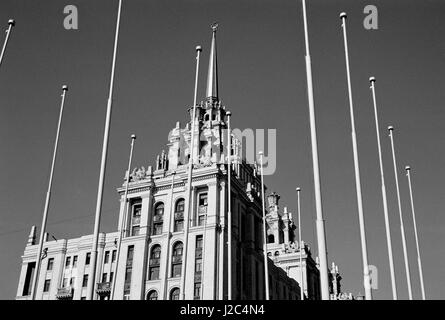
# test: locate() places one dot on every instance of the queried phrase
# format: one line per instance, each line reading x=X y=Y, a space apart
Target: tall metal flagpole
x=419 y=261
x=299 y=244
x=48 y=197
x=321 y=234
x=266 y=265
x=189 y=180
x=124 y=217
x=385 y=202
x=366 y=278
x=11 y=24
x=92 y=277
x=229 y=206
x=402 y=229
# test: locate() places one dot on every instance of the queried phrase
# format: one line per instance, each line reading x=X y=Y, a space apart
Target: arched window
x=177 y=259
x=152 y=295
x=154 y=263
x=270 y=238
x=179 y=215
x=174 y=294
x=158 y=218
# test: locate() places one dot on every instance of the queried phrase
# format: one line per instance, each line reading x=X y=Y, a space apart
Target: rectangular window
x=75 y=262
x=46 y=285
x=154 y=273
x=65 y=282
x=198 y=265
x=128 y=271
x=136 y=209
x=113 y=256
x=50 y=264
x=157 y=229
x=72 y=281
x=107 y=257
x=85 y=281
x=197 y=291
x=177 y=270
x=88 y=258
x=179 y=225
x=68 y=261
x=111 y=276
x=28 y=278
x=104 y=277
x=202 y=208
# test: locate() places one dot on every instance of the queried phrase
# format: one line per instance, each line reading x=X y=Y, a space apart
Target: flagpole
x=385 y=202
x=402 y=229
x=189 y=179
x=48 y=197
x=172 y=212
x=124 y=216
x=229 y=206
x=92 y=277
x=366 y=278
x=11 y=24
x=419 y=261
x=320 y=222
x=299 y=244
x=266 y=265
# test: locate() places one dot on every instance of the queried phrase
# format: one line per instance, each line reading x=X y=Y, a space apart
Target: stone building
x=151 y=259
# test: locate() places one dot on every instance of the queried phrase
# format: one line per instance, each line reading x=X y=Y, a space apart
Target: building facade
x=150 y=263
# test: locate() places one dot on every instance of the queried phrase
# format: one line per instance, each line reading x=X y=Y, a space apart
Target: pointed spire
x=212 y=76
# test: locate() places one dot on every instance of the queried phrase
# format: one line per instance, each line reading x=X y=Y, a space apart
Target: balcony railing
x=177 y=259
x=202 y=209
x=179 y=215
x=103 y=288
x=158 y=218
x=64 y=293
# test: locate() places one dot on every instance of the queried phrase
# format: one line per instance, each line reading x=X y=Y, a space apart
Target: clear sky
x=262 y=81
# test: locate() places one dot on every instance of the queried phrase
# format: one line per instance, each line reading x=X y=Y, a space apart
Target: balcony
x=65 y=293
x=179 y=215
x=103 y=288
x=155 y=262
x=177 y=259
x=202 y=209
x=158 y=218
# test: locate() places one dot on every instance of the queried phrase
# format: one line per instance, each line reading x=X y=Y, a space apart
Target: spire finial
x=212 y=76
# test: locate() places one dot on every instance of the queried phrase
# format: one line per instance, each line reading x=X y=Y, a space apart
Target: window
x=202 y=208
x=85 y=281
x=83 y=298
x=270 y=238
x=174 y=294
x=104 y=277
x=155 y=261
x=107 y=257
x=135 y=222
x=158 y=218
x=152 y=295
x=177 y=259
x=65 y=282
x=46 y=285
x=198 y=265
x=50 y=264
x=179 y=215
x=128 y=272
x=197 y=291
x=111 y=276
x=88 y=258
x=28 y=278
x=67 y=261
x=113 y=256
x=72 y=281
x=75 y=262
